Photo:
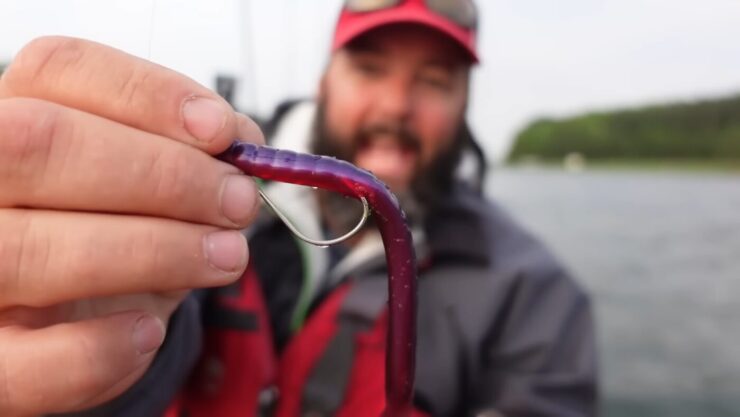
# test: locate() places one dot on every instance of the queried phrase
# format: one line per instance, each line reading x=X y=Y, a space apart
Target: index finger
x=113 y=84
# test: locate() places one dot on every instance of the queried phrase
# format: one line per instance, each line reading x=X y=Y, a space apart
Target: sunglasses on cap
x=461 y=12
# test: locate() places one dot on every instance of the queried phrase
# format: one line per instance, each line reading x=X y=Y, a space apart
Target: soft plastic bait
x=344 y=178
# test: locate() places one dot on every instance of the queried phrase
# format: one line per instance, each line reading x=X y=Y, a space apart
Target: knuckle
x=43 y=57
x=29 y=129
x=83 y=263
x=136 y=81
x=170 y=175
x=148 y=252
x=24 y=256
x=137 y=244
x=12 y=255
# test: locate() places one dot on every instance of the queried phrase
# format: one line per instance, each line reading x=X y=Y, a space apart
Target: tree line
x=708 y=129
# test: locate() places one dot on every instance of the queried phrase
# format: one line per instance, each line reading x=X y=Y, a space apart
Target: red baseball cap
x=360 y=17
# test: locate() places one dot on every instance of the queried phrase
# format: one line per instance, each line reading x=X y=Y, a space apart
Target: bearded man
x=503 y=330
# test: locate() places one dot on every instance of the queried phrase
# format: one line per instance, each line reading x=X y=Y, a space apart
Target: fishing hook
x=316 y=242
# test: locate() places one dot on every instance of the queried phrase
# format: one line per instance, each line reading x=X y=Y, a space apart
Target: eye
x=369 y=67
x=368 y=64
x=437 y=78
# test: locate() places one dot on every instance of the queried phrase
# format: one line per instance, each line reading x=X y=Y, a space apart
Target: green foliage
x=701 y=130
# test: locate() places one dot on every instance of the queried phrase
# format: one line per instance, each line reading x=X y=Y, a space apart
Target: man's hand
x=110 y=209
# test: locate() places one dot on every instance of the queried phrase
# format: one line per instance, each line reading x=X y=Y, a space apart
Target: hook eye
x=322 y=243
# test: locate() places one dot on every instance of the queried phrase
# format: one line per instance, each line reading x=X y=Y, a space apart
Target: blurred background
x=613 y=127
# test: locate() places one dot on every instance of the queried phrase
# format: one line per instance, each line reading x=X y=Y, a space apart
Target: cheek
x=344 y=110
x=437 y=123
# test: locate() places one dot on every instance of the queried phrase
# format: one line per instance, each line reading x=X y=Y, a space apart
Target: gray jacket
x=502 y=327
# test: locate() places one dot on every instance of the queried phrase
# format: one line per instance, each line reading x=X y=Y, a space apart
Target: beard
x=431 y=183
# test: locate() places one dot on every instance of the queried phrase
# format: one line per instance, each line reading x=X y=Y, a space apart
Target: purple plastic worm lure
x=342 y=177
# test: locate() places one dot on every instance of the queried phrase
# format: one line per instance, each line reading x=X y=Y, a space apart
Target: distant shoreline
x=617 y=164
x=697 y=135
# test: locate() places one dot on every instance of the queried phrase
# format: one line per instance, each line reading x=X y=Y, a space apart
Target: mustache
x=403 y=134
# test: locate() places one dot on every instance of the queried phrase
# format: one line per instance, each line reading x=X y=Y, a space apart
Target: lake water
x=660 y=254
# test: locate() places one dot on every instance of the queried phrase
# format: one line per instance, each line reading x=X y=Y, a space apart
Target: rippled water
x=660 y=254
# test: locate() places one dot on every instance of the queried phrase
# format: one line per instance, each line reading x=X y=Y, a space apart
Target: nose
x=395 y=99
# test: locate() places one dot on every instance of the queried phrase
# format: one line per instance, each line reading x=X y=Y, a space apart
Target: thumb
x=74 y=366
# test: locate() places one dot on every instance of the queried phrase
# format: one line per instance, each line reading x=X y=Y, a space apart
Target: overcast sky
x=540 y=57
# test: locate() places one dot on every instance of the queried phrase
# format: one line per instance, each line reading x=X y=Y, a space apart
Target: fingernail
x=238 y=197
x=226 y=250
x=148 y=334
x=248 y=130
x=204 y=117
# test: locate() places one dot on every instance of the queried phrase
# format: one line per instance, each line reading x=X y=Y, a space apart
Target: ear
x=321 y=93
